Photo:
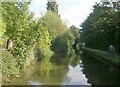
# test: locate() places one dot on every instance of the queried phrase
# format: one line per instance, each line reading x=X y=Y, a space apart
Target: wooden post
x=9 y=44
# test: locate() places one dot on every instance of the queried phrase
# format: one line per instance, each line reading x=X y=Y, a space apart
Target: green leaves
x=44 y=40
x=55 y=25
x=2 y=31
x=99 y=29
x=8 y=65
x=18 y=29
x=52 y=6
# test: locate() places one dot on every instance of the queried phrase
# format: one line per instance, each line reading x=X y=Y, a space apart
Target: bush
x=8 y=65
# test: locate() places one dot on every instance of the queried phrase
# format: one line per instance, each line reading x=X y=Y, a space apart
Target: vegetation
x=2 y=31
x=18 y=29
x=102 y=28
x=66 y=44
x=49 y=34
x=55 y=25
x=25 y=33
x=9 y=65
x=52 y=6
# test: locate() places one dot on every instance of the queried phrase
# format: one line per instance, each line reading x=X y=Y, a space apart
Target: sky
x=74 y=12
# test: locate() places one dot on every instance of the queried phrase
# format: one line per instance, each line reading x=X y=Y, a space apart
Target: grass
x=111 y=57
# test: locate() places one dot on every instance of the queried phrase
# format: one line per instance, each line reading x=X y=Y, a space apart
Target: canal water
x=76 y=70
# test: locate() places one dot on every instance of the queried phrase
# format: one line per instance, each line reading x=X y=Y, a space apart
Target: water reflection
x=58 y=71
x=78 y=78
x=99 y=73
x=75 y=70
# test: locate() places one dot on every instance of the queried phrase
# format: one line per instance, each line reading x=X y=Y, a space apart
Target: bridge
x=112 y=59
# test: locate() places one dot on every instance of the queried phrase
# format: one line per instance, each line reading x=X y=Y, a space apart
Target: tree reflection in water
x=49 y=71
x=99 y=73
x=74 y=69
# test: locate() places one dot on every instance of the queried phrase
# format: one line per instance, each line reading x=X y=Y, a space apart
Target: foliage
x=63 y=45
x=76 y=32
x=67 y=43
x=44 y=39
x=52 y=6
x=25 y=32
x=101 y=28
x=8 y=65
x=45 y=68
x=17 y=21
x=70 y=42
x=55 y=25
x=2 y=31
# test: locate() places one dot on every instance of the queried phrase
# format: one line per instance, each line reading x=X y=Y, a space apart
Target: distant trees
x=63 y=44
x=55 y=25
x=63 y=38
x=66 y=43
x=102 y=28
x=76 y=32
x=26 y=33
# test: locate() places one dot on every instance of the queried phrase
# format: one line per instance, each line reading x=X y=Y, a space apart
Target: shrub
x=8 y=65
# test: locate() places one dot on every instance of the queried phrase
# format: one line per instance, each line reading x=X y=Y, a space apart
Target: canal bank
x=104 y=56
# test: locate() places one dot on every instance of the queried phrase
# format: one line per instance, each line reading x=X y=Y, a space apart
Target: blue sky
x=74 y=12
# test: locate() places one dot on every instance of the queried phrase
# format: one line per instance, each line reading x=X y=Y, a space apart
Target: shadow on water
x=99 y=73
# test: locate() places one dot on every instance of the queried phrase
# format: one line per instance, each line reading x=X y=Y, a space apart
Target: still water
x=76 y=70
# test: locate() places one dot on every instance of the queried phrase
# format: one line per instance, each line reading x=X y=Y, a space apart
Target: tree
x=63 y=45
x=99 y=29
x=17 y=20
x=52 y=6
x=76 y=32
x=43 y=39
x=2 y=31
x=55 y=25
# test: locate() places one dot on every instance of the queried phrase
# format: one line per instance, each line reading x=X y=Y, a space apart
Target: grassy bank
x=8 y=63
x=104 y=56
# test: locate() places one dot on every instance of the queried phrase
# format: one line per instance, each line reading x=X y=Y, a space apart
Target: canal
x=75 y=70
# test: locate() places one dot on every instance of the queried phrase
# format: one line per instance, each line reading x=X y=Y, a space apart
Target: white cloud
x=37 y=2
x=38 y=6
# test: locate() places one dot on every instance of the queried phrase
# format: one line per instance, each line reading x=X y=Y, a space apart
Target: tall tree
x=101 y=28
x=76 y=32
x=52 y=6
x=55 y=25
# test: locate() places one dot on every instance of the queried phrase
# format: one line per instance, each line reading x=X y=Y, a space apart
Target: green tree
x=19 y=29
x=43 y=39
x=63 y=45
x=99 y=29
x=76 y=32
x=2 y=31
x=52 y=6
x=55 y=25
